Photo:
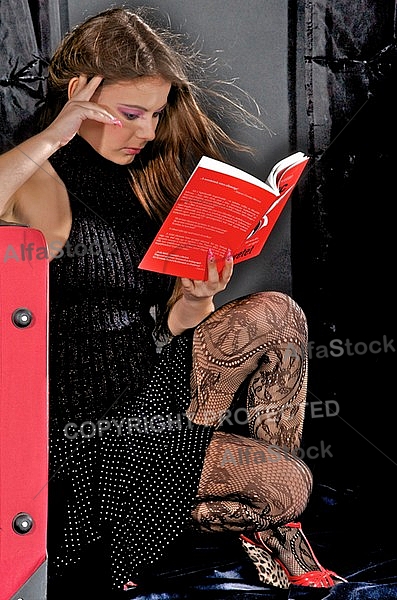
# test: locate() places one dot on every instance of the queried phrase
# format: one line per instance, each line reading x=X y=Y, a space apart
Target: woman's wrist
x=53 y=139
x=188 y=312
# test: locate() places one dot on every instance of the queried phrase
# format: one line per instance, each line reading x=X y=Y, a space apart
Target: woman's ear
x=73 y=83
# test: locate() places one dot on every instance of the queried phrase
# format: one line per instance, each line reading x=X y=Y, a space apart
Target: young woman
x=137 y=450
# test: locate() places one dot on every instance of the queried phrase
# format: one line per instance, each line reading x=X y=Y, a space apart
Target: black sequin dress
x=125 y=462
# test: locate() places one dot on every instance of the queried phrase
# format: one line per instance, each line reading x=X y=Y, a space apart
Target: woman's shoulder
x=42 y=198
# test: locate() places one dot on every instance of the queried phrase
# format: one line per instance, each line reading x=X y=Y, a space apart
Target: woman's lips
x=132 y=151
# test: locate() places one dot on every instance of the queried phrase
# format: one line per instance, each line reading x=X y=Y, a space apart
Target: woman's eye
x=130 y=116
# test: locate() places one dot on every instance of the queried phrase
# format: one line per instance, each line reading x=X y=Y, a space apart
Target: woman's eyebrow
x=138 y=107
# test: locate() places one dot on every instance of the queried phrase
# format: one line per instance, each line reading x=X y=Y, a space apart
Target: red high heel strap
x=320 y=578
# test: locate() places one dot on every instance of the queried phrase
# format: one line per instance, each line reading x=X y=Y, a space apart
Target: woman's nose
x=147 y=128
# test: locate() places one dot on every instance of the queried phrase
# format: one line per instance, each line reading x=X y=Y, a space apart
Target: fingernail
x=211 y=255
x=229 y=254
x=116 y=122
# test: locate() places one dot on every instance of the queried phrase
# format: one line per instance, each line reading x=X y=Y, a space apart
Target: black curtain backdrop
x=29 y=31
x=343 y=242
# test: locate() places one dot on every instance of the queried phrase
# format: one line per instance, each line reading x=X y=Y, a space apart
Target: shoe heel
x=269 y=571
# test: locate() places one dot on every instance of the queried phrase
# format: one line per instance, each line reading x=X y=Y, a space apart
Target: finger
x=187 y=283
x=86 y=89
x=227 y=270
x=212 y=267
x=226 y=274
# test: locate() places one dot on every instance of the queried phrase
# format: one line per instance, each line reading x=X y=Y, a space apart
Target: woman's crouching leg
x=249 y=485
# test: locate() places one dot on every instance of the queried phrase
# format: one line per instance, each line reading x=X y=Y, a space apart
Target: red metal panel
x=23 y=405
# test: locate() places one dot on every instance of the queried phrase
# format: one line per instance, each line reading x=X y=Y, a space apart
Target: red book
x=221 y=207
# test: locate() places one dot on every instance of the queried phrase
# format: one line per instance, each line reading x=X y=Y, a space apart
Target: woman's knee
x=274 y=311
x=280 y=303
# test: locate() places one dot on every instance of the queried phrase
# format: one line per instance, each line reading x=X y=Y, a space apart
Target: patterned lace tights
x=256 y=482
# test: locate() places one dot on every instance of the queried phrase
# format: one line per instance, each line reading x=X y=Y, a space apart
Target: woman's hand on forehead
x=79 y=108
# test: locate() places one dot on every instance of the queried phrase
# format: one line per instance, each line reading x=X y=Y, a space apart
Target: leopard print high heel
x=269 y=571
x=284 y=556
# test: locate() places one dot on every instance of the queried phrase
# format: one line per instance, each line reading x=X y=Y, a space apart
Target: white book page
x=282 y=165
x=216 y=165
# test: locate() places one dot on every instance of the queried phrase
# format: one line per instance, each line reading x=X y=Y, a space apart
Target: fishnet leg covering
x=252 y=483
x=248 y=485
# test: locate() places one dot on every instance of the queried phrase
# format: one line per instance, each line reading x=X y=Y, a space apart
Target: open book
x=221 y=207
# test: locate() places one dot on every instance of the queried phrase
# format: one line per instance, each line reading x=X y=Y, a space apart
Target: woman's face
x=138 y=104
